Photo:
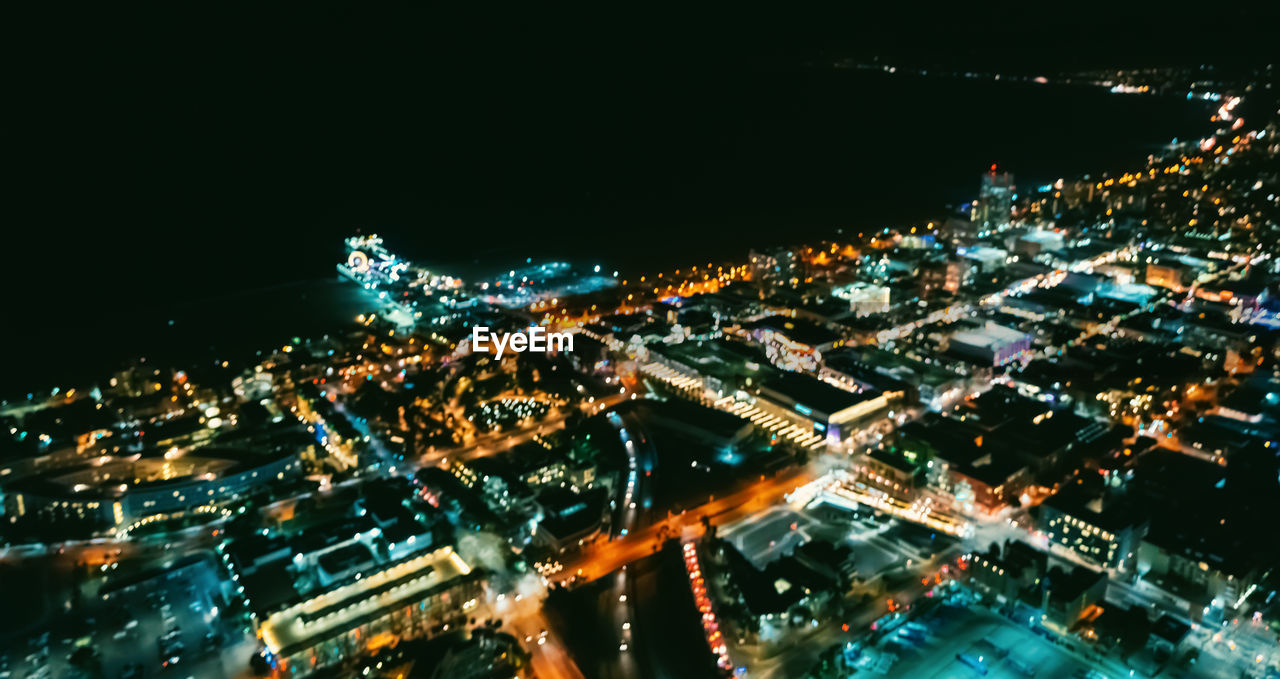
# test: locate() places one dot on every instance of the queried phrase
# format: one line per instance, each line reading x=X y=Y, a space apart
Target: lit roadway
x=641 y=454
x=523 y=618
x=603 y=558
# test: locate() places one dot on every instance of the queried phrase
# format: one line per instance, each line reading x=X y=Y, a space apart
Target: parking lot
x=179 y=628
x=768 y=535
x=169 y=625
x=1005 y=649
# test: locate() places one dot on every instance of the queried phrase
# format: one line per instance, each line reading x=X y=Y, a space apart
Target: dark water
x=791 y=156
x=232 y=327
x=772 y=156
x=235 y=324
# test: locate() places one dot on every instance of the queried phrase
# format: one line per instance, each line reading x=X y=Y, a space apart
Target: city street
x=603 y=558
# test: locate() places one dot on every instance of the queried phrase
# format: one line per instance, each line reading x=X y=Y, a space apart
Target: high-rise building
x=995 y=200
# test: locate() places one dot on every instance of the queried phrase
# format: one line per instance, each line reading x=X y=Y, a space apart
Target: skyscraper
x=995 y=200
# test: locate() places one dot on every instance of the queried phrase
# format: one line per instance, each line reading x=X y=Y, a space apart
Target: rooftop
x=116 y=477
x=305 y=623
x=989 y=335
x=1069 y=585
x=814 y=393
x=797 y=330
x=1092 y=510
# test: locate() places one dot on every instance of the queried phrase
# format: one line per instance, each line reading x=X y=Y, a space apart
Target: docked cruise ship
x=370 y=264
x=383 y=274
x=408 y=293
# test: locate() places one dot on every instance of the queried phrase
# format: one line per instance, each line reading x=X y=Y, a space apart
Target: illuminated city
x=612 y=383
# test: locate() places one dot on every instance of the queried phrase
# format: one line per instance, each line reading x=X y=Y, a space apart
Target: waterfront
x=812 y=150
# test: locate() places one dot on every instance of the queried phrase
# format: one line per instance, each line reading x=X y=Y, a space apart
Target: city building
x=369 y=609
x=992 y=480
x=570 y=520
x=986 y=259
x=346 y=586
x=717 y=368
x=1038 y=241
x=1071 y=596
x=1010 y=572
x=819 y=407
x=990 y=344
x=864 y=298
x=501 y=490
x=123 y=493
x=949 y=274
x=1172 y=274
x=890 y=473
x=1104 y=534
x=789 y=590
x=994 y=207
x=792 y=343
x=1168 y=637
x=783 y=267
x=1201 y=574
x=861 y=367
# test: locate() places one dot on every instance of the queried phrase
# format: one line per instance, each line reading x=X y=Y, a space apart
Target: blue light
x=804 y=410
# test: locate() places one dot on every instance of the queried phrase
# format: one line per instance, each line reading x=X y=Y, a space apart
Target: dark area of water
x=722 y=162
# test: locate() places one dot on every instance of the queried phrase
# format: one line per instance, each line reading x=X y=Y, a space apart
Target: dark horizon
x=197 y=152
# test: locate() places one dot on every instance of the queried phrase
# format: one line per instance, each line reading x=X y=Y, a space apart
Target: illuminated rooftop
x=114 y=477
x=335 y=611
